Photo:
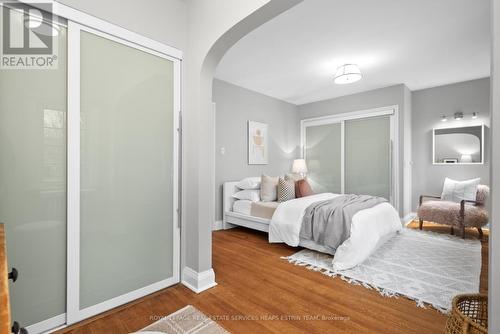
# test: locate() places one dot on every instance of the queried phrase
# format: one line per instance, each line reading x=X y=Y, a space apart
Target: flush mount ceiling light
x=444 y=118
x=347 y=74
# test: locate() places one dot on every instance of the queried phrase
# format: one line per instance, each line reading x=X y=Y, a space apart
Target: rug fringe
x=382 y=291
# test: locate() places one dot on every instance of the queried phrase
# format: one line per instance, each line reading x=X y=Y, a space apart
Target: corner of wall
x=198 y=282
x=494 y=263
x=407 y=151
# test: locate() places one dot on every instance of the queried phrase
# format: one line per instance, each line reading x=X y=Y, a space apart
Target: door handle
x=13 y=275
x=16 y=329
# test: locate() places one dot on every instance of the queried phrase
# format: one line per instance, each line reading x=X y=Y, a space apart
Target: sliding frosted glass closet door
x=33 y=183
x=127 y=225
x=323 y=151
x=368 y=156
x=353 y=153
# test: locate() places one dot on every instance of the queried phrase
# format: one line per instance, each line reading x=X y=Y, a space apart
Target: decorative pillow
x=249 y=183
x=286 y=189
x=249 y=194
x=455 y=191
x=303 y=189
x=268 y=188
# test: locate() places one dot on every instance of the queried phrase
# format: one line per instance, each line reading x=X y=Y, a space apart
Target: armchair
x=461 y=215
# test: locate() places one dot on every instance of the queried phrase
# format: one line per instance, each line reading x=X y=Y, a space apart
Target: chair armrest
x=427 y=196
x=462 y=205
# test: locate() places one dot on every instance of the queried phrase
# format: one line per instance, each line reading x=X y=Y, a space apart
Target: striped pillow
x=286 y=189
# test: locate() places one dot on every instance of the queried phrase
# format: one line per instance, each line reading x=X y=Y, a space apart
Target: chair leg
x=463 y=231
x=480 y=231
x=420 y=223
x=452 y=230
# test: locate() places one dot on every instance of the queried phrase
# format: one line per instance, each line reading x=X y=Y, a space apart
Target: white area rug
x=427 y=267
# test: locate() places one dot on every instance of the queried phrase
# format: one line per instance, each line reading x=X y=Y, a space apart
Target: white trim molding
x=217 y=225
x=198 y=282
x=48 y=326
x=409 y=218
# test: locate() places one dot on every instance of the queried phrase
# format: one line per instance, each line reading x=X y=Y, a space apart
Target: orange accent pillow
x=302 y=189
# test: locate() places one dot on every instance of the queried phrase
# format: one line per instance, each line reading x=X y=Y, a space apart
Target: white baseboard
x=217 y=225
x=198 y=282
x=227 y=226
x=409 y=218
x=49 y=325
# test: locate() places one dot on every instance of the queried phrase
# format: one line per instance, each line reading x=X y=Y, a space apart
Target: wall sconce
x=458 y=116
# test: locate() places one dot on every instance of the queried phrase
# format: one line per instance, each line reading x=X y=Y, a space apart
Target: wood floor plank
x=254 y=282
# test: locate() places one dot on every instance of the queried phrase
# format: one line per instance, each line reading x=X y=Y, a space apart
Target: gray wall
x=162 y=20
x=383 y=97
x=494 y=267
x=428 y=107
x=234 y=107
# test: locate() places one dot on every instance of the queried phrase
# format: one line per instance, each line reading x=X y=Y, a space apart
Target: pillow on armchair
x=455 y=191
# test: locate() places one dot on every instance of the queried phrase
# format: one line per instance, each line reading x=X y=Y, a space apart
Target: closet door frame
x=391 y=111
x=75 y=17
x=73 y=311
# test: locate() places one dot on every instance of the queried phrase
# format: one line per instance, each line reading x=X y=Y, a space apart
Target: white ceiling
x=421 y=43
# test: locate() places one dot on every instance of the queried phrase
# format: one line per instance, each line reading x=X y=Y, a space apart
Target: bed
x=370 y=227
x=241 y=217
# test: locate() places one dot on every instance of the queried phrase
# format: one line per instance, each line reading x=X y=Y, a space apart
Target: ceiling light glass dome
x=347 y=74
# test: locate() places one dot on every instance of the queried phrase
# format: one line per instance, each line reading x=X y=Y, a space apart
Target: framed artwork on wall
x=257 y=143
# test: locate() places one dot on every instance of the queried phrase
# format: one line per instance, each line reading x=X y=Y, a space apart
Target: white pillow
x=249 y=194
x=249 y=183
x=455 y=191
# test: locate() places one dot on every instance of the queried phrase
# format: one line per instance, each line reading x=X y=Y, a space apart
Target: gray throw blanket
x=328 y=223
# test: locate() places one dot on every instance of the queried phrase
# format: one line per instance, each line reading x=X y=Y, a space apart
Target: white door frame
x=392 y=111
x=73 y=311
x=78 y=21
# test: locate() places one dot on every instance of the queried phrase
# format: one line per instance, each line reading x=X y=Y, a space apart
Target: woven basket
x=469 y=314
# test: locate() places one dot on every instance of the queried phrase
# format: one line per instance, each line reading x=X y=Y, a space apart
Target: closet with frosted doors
x=89 y=171
x=352 y=153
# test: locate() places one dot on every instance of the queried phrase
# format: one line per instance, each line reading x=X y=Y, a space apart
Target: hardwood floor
x=261 y=290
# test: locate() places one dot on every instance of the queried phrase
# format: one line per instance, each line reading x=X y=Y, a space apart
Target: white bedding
x=370 y=228
x=243 y=206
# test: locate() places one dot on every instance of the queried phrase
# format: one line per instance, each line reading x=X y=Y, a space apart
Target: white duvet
x=370 y=228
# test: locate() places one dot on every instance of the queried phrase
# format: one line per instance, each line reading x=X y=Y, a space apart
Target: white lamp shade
x=299 y=166
x=347 y=74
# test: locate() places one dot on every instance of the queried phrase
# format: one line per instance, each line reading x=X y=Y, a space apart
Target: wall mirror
x=459 y=145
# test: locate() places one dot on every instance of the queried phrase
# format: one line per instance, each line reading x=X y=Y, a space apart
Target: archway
x=212 y=31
